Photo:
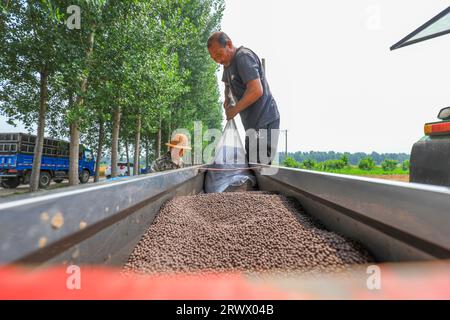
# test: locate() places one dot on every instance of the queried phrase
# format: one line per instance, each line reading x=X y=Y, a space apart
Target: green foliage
x=406 y=165
x=32 y=46
x=309 y=164
x=291 y=163
x=354 y=170
x=353 y=158
x=389 y=165
x=367 y=167
x=344 y=159
x=149 y=58
x=366 y=164
x=331 y=165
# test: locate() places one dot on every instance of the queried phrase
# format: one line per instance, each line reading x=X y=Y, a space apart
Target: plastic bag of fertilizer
x=230 y=170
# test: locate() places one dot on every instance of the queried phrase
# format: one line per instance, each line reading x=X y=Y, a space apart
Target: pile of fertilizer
x=240 y=232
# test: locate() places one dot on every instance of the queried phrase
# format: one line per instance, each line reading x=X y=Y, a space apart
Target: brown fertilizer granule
x=253 y=232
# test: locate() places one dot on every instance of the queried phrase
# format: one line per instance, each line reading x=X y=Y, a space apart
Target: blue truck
x=16 y=160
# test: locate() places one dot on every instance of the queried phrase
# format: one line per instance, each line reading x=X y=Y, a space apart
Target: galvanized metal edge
x=418 y=215
x=32 y=223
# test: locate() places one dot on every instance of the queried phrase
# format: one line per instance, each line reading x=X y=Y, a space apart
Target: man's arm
x=226 y=104
x=253 y=92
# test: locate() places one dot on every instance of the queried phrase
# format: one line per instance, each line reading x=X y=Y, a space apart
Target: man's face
x=176 y=154
x=221 y=55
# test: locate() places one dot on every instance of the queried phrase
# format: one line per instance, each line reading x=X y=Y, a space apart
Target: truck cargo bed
x=102 y=224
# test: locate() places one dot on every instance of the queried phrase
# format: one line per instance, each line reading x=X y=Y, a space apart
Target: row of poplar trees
x=128 y=74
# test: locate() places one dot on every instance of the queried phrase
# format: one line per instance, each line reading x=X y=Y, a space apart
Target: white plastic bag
x=230 y=169
x=230 y=150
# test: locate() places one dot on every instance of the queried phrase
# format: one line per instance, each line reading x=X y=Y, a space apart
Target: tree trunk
x=101 y=134
x=74 y=132
x=115 y=141
x=74 y=154
x=158 y=140
x=170 y=127
x=36 y=170
x=147 y=151
x=128 y=156
x=137 y=147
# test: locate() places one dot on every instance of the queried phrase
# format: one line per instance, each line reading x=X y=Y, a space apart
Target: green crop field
x=354 y=170
x=389 y=169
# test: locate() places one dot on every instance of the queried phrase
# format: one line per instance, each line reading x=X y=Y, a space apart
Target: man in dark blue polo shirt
x=247 y=93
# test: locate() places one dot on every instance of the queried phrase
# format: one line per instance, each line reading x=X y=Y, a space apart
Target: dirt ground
x=393 y=177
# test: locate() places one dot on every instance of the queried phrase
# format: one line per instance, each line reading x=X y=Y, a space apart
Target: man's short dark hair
x=220 y=37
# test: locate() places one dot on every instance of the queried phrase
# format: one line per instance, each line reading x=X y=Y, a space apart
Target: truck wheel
x=10 y=183
x=84 y=177
x=44 y=180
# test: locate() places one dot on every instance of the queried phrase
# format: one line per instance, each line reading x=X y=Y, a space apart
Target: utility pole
x=286 y=143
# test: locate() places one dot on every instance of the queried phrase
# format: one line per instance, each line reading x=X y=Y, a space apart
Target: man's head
x=177 y=145
x=221 y=48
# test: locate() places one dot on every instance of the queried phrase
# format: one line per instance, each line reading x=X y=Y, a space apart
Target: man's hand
x=253 y=92
x=231 y=112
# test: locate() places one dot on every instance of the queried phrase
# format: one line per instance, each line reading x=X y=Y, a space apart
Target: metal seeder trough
x=101 y=224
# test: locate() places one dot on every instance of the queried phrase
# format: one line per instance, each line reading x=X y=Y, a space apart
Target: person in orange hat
x=173 y=158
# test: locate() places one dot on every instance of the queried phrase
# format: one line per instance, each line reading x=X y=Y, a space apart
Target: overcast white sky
x=337 y=85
